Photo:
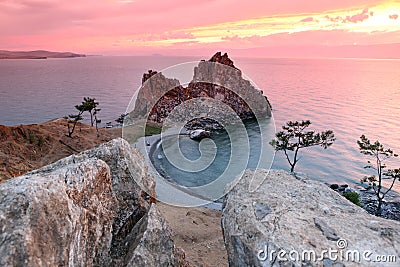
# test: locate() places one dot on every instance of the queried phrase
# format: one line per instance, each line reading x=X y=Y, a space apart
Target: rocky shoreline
x=390 y=209
x=368 y=201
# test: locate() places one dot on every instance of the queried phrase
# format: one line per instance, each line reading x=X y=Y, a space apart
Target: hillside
x=38 y=54
x=27 y=147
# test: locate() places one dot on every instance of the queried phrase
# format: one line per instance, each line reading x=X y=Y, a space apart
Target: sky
x=184 y=27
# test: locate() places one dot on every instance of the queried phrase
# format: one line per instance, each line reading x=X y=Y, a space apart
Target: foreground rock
x=153 y=237
x=290 y=222
x=85 y=210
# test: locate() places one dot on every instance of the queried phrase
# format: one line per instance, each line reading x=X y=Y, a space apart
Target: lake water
x=349 y=96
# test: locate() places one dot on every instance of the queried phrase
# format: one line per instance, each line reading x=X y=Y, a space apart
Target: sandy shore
x=198 y=232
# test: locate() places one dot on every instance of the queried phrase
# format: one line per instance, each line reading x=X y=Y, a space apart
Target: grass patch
x=151 y=130
x=133 y=132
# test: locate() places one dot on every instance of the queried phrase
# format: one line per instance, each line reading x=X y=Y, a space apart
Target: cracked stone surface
x=261 y=210
x=286 y=214
x=327 y=231
x=88 y=209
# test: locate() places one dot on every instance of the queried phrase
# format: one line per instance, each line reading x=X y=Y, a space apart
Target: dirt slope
x=27 y=147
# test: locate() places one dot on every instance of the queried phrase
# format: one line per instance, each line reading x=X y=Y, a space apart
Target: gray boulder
x=291 y=222
x=153 y=237
x=60 y=218
x=90 y=209
x=199 y=134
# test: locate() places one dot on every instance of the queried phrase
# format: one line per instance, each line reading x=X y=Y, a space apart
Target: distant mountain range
x=38 y=54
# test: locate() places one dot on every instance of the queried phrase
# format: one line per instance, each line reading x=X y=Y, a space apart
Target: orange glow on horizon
x=265 y=26
x=128 y=25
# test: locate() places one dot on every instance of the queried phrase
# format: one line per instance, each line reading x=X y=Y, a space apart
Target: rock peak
x=148 y=75
x=223 y=59
x=157 y=98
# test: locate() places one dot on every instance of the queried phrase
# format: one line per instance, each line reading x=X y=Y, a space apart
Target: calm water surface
x=351 y=97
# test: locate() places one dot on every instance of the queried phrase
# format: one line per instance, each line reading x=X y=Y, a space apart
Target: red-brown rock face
x=215 y=81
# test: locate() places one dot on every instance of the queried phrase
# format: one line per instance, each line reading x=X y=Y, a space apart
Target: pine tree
x=380 y=154
x=97 y=121
x=89 y=105
x=74 y=118
x=294 y=137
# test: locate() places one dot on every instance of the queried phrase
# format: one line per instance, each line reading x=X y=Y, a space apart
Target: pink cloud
x=358 y=17
x=233 y=38
x=365 y=14
x=308 y=19
x=393 y=16
x=323 y=37
x=176 y=35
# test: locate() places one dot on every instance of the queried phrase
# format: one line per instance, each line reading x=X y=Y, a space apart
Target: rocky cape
x=160 y=95
x=287 y=214
x=37 y=54
x=95 y=208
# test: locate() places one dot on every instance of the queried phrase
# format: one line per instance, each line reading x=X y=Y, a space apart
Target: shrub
x=353 y=197
x=40 y=141
x=31 y=138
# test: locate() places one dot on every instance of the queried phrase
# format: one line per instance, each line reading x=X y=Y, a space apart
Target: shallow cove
x=228 y=148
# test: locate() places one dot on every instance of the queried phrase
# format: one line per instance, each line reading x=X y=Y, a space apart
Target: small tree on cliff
x=295 y=137
x=97 y=121
x=74 y=118
x=379 y=154
x=90 y=105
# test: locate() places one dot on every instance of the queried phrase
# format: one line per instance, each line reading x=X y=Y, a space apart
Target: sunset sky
x=175 y=27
